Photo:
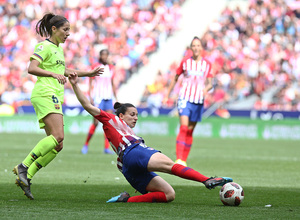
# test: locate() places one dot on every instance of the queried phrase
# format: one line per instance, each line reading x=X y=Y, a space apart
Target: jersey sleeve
x=180 y=69
x=208 y=70
x=40 y=53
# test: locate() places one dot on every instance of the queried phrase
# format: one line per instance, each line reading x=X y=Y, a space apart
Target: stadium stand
x=255 y=56
x=130 y=29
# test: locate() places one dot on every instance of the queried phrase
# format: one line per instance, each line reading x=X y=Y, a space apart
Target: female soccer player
x=197 y=81
x=101 y=91
x=48 y=64
x=135 y=160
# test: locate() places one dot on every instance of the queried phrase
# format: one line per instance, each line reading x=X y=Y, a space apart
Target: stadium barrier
x=213 y=127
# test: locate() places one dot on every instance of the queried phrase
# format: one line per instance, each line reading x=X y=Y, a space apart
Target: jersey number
x=54 y=99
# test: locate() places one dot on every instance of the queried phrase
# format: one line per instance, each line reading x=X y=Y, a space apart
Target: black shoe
x=26 y=189
x=21 y=172
x=217 y=181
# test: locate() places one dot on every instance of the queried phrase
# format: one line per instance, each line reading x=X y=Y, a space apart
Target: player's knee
x=170 y=196
x=59 y=147
x=59 y=137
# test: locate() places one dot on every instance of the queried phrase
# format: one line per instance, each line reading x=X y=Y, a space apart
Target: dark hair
x=122 y=108
x=44 y=26
x=195 y=38
x=104 y=50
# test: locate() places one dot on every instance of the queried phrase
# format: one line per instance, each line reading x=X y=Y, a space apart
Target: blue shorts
x=106 y=104
x=192 y=110
x=135 y=162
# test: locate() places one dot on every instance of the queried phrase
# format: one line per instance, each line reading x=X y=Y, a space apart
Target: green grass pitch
x=76 y=186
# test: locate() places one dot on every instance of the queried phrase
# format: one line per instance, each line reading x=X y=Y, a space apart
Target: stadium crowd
x=251 y=52
x=130 y=29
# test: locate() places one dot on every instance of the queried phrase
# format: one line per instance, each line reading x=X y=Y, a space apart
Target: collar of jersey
x=51 y=42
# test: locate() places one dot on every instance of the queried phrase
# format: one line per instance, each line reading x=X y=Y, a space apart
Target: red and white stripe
x=118 y=133
x=194 y=77
x=102 y=85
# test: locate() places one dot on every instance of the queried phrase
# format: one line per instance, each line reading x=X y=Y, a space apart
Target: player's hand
x=73 y=78
x=96 y=72
x=60 y=78
x=165 y=100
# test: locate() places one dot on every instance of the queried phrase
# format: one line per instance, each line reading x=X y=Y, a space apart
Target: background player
x=48 y=64
x=197 y=81
x=101 y=91
x=136 y=161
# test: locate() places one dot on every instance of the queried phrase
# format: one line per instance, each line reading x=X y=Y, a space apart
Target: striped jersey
x=118 y=133
x=194 y=77
x=102 y=85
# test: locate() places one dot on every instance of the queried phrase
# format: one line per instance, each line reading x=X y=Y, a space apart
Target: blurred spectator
x=251 y=57
x=130 y=29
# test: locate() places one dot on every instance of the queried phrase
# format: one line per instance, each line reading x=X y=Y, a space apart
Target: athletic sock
x=188 y=173
x=90 y=134
x=106 y=143
x=42 y=148
x=149 y=197
x=180 y=141
x=188 y=144
x=40 y=163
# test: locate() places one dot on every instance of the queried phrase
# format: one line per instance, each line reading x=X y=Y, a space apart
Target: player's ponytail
x=122 y=108
x=44 y=26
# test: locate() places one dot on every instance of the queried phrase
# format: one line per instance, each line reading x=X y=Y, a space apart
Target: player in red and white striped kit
x=101 y=92
x=197 y=81
x=136 y=161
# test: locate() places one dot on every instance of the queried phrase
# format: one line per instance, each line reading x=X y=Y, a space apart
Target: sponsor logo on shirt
x=57 y=106
x=60 y=62
x=39 y=48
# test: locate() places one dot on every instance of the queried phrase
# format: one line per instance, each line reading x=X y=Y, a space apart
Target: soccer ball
x=231 y=194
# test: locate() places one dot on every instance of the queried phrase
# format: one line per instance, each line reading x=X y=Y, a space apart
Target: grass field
x=76 y=186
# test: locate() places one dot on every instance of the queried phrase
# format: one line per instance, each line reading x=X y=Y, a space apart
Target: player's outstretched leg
x=21 y=171
x=26 y=189
x=216 y=181
x=123 y=197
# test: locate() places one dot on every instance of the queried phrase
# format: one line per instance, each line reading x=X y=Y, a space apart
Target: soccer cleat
x=123 y=197
x=26 y=189
x=108 y=151
x=85 y=149
x=211 y=183
x=21 y=172
x=181 y=162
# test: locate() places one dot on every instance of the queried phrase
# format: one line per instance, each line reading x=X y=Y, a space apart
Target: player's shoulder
x=96 y=64
x=111 y=66
x=206 y=60
x=185 y=59
x=42 y=46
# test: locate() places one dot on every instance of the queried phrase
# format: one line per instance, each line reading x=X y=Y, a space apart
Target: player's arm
x=90 y=90
x=170 y=88
x=209 y=82
x=208 y=86
x=73 y=78
x=114 y=88
x=81 y=73
x=34 y=69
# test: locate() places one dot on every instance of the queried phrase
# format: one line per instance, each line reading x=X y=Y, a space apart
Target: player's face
x=196 y=47
x=60 y=35
x=104 y=57
x=130 y=117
